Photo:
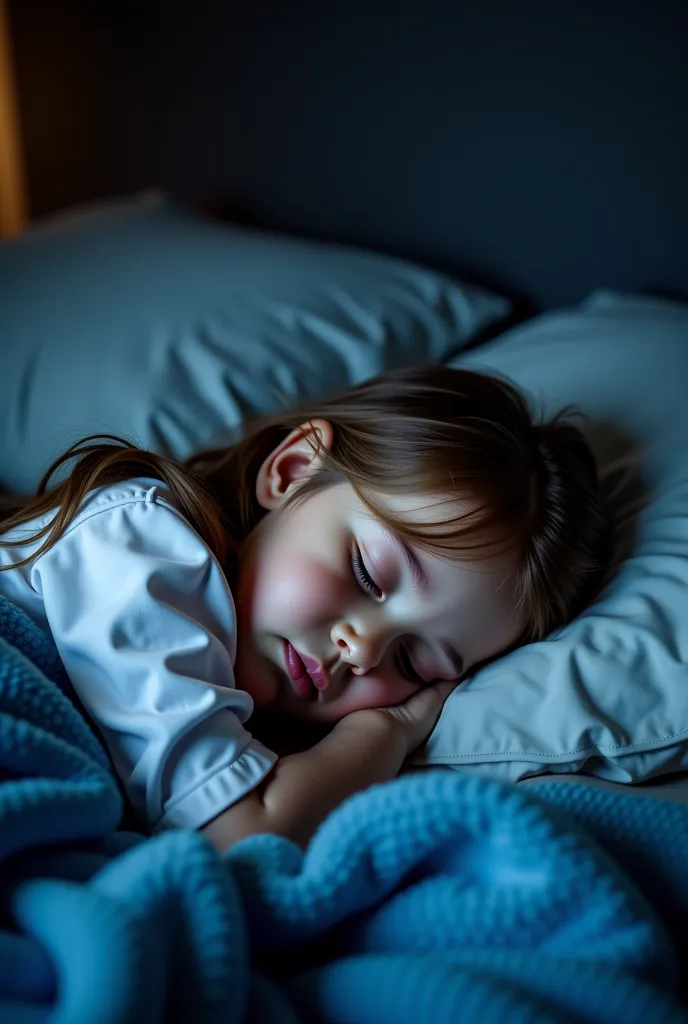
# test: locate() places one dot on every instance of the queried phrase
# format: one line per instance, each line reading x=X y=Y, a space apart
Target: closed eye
x=403 y=662
x=363 y=577
x=405 y=667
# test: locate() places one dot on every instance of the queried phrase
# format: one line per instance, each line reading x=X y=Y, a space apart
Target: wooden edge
x=13 y=192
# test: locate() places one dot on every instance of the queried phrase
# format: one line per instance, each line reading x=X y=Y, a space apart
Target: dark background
x=537 y=147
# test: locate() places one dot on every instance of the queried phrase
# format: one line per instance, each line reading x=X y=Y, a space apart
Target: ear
x=293 y=459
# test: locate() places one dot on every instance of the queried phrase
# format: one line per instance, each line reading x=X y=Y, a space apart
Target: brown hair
x=417 y=430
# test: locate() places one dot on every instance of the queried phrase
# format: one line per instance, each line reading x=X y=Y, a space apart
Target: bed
x=302 y=196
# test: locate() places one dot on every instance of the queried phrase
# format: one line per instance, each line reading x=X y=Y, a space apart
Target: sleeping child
x=343 y=565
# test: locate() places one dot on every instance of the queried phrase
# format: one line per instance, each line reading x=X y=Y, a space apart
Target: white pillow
x=609 y=692
x=141 y=319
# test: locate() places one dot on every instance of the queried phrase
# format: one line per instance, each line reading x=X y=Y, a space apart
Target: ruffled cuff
x=220 y=790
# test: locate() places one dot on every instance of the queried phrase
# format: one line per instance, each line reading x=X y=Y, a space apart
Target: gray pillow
x=607 y=694
x=142 y=319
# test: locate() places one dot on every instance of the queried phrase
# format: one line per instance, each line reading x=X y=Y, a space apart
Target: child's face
x=304 y=588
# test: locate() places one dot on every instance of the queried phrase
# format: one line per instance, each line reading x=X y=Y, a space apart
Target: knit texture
x=436 y=897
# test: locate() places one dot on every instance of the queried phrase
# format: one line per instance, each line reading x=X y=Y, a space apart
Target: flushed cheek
x=296 y=593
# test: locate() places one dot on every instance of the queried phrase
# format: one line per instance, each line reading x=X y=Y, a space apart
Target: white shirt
x=144 y=621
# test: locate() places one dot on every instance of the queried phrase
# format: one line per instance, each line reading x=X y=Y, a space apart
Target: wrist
x=363 y=749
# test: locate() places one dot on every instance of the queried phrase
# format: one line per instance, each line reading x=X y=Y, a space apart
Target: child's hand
x=418 y=715
x=364 y=748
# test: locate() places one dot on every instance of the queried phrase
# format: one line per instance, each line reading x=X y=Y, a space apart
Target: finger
x=446 y=687
x=431 y=695
x=427 y=702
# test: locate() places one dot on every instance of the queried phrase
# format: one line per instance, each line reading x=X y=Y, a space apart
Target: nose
x=361 y=649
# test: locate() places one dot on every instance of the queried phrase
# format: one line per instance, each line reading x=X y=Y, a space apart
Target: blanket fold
x=436 y=897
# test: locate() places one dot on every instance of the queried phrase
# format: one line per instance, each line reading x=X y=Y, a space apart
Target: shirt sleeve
x=144 y=621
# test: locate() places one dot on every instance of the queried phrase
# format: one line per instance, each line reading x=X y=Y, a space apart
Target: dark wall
x=537 y=146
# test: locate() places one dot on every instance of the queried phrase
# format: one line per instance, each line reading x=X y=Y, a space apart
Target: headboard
x=536 y=147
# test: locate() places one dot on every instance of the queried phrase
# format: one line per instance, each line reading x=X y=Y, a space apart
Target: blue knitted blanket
x=433 y=898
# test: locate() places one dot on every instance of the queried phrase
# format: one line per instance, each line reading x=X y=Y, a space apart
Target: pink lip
x=304 y=671
x=318 y=674
x=296 y=670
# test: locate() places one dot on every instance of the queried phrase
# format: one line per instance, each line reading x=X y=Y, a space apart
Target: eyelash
x=364 y=577
x=403 y=662
x=406 y=668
